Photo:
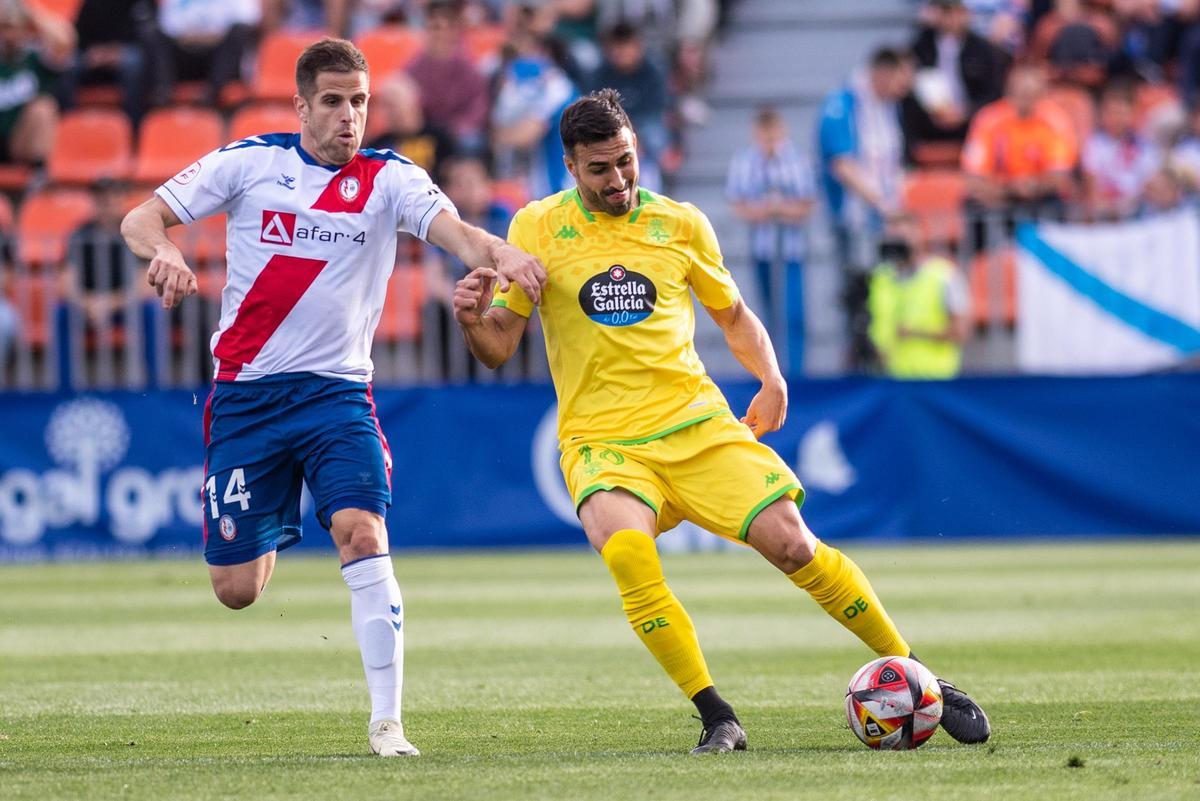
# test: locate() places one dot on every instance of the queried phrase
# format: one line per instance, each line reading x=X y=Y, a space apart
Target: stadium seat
x=389 y=49
x=45 y=221
x=932 y=155
x=483 y=43
x=14 y=177
x=232 y=95
x=67 y=9
x=935 y=198
x=201 y=242
x=34 y=294
x=510 y=193
x=276 y=77
x=401 y=318
x=172 y=138
x=261 y=118
x=91 y=144
x=1078 y=106
x=980 y=281
x=7 y=216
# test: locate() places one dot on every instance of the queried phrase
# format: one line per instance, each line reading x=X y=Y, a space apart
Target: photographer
x=919 y=309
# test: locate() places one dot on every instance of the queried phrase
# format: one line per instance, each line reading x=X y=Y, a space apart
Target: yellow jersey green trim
x=594 y=488
x=767 y=501
x=644 y=196
x=671 y=430
x=574 y=195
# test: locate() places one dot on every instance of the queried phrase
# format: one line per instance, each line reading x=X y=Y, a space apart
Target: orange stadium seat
x=390 y=48
x=980 y=281
x=91 y=144
x=201 y=242
x=276 y=78
x=401 y=318
x=67 y=9
x=45 y=221
x=261 y=118
x=7 y=217
x=483 y=42
x=172 y=138
x=1078 y=106
x=14 y=177
x=33 y=294
x=935 y=198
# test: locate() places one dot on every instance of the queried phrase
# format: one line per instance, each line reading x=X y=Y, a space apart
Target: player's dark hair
x=767 y=115
x=592 y=118
x=889 y=58
x=327 y=55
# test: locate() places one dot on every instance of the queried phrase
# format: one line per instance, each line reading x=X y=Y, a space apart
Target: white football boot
x=387 y=739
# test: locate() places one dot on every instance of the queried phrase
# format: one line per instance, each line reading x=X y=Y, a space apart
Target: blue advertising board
x=118 y=474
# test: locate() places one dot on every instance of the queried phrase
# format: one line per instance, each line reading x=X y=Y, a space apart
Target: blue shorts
x=265 y=438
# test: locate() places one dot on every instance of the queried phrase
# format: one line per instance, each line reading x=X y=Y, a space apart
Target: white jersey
x=310 y=249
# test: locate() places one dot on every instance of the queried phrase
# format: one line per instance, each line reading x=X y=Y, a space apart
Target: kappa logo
x=278 y=228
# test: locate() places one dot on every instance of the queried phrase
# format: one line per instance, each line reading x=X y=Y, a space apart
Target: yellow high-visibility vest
x=916 y=302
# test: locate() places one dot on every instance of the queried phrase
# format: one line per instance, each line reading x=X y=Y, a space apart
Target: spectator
x=531 y=95
x=103 y=283
x=34 y=46
x=655 y=20
x=1077 y=39
x=1184 y=158
x=643 y=90
x=406 y=130
x=454 y=94
x=959 y=72
x=202 y=40
x=861 y=149
x=1117 y=160
x=115 y=39
x=1164 y=191
x=771 y=187
x=919 y=307
x=1020 y=151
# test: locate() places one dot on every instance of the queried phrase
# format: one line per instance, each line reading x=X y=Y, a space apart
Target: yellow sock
x=653 y=610
x=842 y=590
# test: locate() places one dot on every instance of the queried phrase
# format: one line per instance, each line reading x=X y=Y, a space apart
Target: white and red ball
x=893 y=704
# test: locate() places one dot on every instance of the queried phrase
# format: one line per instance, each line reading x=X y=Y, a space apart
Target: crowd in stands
x=101 y=100
x=995 y=111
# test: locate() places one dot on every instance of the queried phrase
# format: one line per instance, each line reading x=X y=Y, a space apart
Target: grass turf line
x=523 y=681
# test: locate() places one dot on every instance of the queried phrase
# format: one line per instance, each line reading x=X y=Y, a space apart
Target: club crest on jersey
x=278 y=228
x=227 y=527
x=348 y=188
x=618 y=296
x=187 y=175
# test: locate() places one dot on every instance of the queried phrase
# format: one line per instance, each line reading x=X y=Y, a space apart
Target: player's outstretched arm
x=748 y=341
x=145 y=232
x=479 y=249
x=492 y=333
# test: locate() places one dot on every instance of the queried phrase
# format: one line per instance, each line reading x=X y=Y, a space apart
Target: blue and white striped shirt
x=754 y=176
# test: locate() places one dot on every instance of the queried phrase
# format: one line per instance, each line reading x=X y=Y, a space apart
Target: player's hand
x=768 y=409
x=170 y=276
x=473 y=295
x=515 y=266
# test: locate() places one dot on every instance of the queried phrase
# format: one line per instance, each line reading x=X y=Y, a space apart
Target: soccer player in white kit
x=312 y=223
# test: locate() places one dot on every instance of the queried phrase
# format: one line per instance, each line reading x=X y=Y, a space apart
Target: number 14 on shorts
x=235 y=492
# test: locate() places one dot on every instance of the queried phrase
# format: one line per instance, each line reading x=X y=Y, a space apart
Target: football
x=893 y=703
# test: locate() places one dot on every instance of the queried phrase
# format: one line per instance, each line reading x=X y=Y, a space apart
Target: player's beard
x=600 y=199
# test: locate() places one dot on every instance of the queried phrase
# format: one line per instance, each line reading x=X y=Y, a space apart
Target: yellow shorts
x=713 y=473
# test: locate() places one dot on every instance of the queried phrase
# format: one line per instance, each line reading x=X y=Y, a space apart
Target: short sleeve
x=520 y=235
x=418 y=198
x=208 y=186
x=712 y=283
x=958 y=294
x=977 y=152
x=836 y=130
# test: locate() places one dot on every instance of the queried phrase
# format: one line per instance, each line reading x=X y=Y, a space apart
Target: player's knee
x=796 y=551
x=364 y=539
x=236 y=594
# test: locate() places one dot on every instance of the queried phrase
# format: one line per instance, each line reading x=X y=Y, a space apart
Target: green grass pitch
x=129 y=681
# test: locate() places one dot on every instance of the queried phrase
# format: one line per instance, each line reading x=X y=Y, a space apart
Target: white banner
x=1112 y=298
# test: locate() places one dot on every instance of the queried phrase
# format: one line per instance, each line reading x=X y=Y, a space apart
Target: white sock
x=377 y=614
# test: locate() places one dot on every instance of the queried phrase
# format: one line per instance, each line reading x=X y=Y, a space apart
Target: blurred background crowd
x=907 y=182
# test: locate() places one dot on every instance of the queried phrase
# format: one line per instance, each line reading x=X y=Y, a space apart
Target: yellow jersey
x=618 y=316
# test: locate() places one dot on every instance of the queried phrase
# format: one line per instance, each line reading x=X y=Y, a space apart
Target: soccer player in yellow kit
x=647 y=438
